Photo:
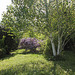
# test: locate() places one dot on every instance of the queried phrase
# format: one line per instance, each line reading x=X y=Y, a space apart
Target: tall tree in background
x=19 y=16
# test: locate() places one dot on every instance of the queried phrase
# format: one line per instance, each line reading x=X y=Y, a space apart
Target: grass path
x=35 y=64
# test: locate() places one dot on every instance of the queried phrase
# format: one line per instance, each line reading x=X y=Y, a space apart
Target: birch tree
x=64 y=23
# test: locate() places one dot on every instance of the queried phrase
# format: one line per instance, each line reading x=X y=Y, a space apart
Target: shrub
x=29 y=43
x=2 y=52
x=7 y=40
x=1 y=43
x=47 y=49
x=71 y=43
x=10 y=43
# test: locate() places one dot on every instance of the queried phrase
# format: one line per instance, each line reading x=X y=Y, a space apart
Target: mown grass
x=20 y=63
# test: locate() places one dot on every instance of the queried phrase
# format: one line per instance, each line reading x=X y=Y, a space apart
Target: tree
x=56 y=18
x=18 y=17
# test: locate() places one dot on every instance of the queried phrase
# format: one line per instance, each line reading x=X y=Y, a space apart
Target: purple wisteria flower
x=29 y=43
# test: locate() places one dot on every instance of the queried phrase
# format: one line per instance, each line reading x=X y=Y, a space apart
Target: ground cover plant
x=20 y=63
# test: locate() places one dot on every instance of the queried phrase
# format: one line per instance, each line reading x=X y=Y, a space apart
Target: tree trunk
x=58 y=50
x=53 y=46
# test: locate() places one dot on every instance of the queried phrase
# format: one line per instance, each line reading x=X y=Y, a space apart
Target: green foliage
x=1 y=43
x=71 y=42
x=2 y=47
x=47 y=49
x=2 y=52
x=55 y=36
x=32 y=33
x=8 y=41
x=19 y=17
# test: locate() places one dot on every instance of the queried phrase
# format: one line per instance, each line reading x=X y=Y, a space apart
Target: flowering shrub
x=29 y=43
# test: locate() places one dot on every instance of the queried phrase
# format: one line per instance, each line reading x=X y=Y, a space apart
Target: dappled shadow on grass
x=30 y=52
x=19 y=51
x=65 y=63
x=55 y=58
x=69 y=64
x=7 y=56
x=23 y=51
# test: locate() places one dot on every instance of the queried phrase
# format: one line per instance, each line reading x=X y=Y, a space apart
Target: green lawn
x=35 y=64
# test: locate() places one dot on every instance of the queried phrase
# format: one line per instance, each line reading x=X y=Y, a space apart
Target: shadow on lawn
x=30 y=52
x=13 y=54
x=67 y=66
x=7 y=56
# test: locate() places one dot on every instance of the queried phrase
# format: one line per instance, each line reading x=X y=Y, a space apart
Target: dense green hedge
x=8 y=41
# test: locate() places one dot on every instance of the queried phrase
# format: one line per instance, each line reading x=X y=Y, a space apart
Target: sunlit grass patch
x=18 y=51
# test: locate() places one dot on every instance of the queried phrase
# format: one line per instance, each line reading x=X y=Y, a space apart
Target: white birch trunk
x=58 y=50
x=53 y=46
x=69 y=3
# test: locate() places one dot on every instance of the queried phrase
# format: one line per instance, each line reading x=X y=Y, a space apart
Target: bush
x=47 y=49
x=1 y=43
x=29 y=43
x=71 y=43
x=2 y=52
x=10 y=44
x=7 y=41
